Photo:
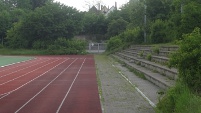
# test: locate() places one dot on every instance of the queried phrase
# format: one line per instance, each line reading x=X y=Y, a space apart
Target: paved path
x=118 y=95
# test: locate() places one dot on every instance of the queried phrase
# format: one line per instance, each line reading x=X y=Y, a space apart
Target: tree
x=160 y=32
x=158 y=9
x=45 y=25
x=191 y=17
x=94 y=24
x=116 y=27
x=5 y=24
x=38 y=3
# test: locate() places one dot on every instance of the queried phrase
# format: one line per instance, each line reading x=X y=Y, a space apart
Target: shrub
x=63 y=46
x=115 y=43
x=1 y=46
x=155 y=49
x=149 y=57
x=160 y=32
x=179 y=99
x=188 y=60
x=141 y=53
x=125 y=39
x=132 y=36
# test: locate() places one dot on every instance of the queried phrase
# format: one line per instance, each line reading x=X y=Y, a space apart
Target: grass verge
x=179 y=99
x=5 y=51
x=100 y=58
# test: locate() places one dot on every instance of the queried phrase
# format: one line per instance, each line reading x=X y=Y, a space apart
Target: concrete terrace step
x=163 y=50
x=170 y=73
x=156 y=78
x=160 y=59
x=169 y=48
x=155 y=58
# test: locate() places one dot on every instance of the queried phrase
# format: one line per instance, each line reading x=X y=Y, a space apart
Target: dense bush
x=1 y=46
x=125 y=39
x=161 y=32
x=132 y=36
x=64 y=46
x=116 y=27
x=179 y=99
x=114 y=44
x=188 y=60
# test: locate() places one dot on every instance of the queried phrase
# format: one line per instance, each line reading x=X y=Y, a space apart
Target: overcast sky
x=81 y=4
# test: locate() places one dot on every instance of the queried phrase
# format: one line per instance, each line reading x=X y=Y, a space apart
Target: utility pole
x=2 y=40
x=182 y=3
x=145 y=22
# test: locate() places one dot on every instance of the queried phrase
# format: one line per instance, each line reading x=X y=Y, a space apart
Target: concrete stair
x=154 y=69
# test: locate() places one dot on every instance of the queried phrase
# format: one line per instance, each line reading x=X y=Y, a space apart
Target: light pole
x=2 y=40
x=145 y=22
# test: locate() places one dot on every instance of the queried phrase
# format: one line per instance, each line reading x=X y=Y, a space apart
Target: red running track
x=50 y=84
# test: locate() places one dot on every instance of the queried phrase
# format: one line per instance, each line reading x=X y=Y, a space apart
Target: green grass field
x=7 y=60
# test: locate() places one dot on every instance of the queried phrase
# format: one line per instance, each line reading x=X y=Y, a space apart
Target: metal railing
x=96 y=47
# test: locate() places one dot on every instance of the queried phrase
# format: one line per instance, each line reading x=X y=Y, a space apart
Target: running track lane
x=11 y=84
x=69 y=88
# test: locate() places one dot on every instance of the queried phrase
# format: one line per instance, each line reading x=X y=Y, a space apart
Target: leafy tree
x=158 y=9
x=160 y=32
x=116 y=27
x=94 y=24
x=191 y=17
x=38 y=3
x=5 y=24
x=3 y=6
x=113 y=16
x=46 y=24
x=137 y=13
x=23 y=4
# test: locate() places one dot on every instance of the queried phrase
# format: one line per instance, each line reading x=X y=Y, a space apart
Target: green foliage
x=188 y=60
x=63 y=46
x=158 y=9
x=16 y=40
x=159 y=32
x=45 y=24
x=6 y=51
x=5 y=22
x=132 y=36
x=179 y=99
x=1 y=46
x=141 y=53
x=149 y=57
x=156 y=49
x=125 y=39
x=114 y=44
x=94 y=24
x=116 y=27
x=191 y=17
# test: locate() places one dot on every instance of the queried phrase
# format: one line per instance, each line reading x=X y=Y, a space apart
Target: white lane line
x=138 y=90
x=44 y=87
x=21 y=69
x=6 y=94
x=17 y=62
x=26 y=62
x=70 y=86
x=26 y=73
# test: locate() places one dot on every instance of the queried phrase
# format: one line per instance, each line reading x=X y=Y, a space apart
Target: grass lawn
x=7 y=60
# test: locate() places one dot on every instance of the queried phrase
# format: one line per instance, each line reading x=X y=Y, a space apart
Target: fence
x=96 y=47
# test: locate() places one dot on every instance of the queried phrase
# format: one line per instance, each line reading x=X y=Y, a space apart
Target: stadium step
x=153 y=69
